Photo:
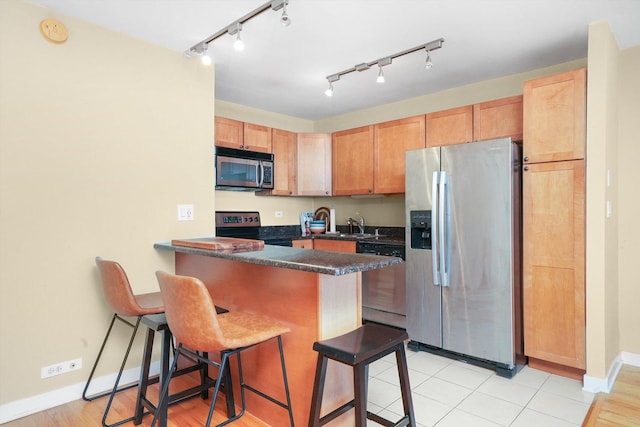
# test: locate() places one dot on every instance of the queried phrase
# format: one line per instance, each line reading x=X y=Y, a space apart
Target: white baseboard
x=21 y=408
x=604 y=385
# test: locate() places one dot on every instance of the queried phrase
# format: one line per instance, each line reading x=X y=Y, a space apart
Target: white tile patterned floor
x=450 y=393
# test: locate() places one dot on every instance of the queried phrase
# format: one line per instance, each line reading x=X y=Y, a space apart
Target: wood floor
x=193 y=412
x=622 y=406
x=619 y=408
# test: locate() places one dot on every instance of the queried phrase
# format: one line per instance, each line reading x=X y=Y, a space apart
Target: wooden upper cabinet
x=555 y=117
x=257 y=138
x=392 y=139
x=229 y=133
x=352 y=154
x=242 y=136
x=554 y=262
x=450 y=126
x=314 y=164
x=285 y=159
x=501 y=118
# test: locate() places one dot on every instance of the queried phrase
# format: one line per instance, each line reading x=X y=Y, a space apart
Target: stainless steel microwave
x=243 y=170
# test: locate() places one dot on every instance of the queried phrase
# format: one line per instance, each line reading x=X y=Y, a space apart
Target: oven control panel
x=226 y=219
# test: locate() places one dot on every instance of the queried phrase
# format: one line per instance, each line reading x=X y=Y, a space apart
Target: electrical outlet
x=185 y=212
x=279 y=214
x=60 y=368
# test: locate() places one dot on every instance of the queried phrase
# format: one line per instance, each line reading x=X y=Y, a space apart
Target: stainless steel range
x=244 y=225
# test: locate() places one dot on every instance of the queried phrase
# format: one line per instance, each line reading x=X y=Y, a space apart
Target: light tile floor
x=448 y=393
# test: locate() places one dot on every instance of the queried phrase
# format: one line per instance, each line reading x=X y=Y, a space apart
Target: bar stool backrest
x=117 y=290
x=191 y=313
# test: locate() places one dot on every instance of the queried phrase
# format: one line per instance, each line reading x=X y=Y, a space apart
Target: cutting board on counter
x=220 y=243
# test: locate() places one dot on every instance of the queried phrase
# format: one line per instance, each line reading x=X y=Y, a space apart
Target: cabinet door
x=500 y=118
x=391 y=141
x=302 y=243
x=229 y=133
x=314 y=164
x=352 y=153
x=555 y=117
x=334 y=245
x=285 y=157
x=553 y=262
x=257 y=138
x=450 y=126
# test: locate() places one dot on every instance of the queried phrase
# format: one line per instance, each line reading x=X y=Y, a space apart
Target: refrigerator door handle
x=434 y=229
x=443 y=232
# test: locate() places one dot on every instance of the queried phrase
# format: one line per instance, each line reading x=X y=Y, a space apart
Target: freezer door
x=477 y=306
x=424 y=308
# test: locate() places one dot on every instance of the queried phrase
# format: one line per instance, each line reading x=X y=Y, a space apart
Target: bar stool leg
x=144 y=377
x=360 y=391
x=403 y=373
x=115 y=386
x=318 y=390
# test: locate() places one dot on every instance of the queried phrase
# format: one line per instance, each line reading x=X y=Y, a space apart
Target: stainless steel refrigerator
x=463 y=257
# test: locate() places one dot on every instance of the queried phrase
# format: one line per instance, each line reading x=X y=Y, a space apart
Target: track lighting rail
x=237 y=24
x=385 y=60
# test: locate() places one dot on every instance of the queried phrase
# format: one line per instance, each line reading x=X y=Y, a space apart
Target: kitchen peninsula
x=316 y=293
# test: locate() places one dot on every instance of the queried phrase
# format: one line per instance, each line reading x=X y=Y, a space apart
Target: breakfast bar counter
x=317 y=294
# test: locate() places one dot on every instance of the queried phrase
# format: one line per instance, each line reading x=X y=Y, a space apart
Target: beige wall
x=628 y=210
x=601 y=256
x=100 y=139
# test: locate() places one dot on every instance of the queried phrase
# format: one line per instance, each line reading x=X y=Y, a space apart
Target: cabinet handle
x=526 y=168
x=526 y=159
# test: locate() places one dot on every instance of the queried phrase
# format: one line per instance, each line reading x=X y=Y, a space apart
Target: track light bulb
x=329 y=91
x=238 y=44
x=206 y=59
x=428 y=64
x=284 y=19
x=380 y=78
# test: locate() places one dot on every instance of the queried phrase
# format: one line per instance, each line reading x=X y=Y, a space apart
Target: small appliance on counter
x=305 y=221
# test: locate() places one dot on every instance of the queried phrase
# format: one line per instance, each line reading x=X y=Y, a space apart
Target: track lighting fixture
x=432 y=45
x=199 y=50
x=428 y=64
x=380 y=78
x=284 y=19
x=206 y=59
x=331 y=79
x=236 y=27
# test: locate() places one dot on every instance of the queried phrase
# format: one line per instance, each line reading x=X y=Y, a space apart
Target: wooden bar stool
x=200 y=330
x=359 y=348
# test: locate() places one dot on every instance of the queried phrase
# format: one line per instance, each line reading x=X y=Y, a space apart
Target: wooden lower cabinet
x=334 y=245
x=302 y=243
x=554 y=266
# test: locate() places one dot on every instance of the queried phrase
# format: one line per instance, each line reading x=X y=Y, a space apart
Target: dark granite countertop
x=324 y=262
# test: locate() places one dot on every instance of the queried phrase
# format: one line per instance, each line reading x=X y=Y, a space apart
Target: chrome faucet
x=360 y=223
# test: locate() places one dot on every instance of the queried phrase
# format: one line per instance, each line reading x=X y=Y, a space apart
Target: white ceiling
x=284 y=69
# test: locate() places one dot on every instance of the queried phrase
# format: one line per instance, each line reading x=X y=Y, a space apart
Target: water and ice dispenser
x=420 y=229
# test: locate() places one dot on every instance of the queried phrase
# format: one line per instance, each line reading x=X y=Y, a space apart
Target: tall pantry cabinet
x=554 y=222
